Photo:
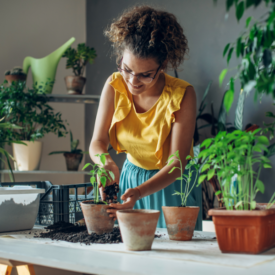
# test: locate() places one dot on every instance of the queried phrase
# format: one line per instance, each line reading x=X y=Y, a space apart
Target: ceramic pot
x=72 y=161
x=27 y=156
x=15 y=77
x=138 y=228
x=180 y=221
x=75 y=84
x=244 y=231
x=96 y=218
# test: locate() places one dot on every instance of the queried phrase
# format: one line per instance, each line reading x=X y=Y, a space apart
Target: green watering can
x=44 y=69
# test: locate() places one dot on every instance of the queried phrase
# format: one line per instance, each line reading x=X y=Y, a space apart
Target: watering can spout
x=57 y=54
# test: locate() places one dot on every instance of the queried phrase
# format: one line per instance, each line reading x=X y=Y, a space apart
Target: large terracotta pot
x=75 y=84
x=27 y=156
x=138 y=228
x=15 y=77
x=244 y=231
x=96 y=217
x=72 y=161
x=180 y=221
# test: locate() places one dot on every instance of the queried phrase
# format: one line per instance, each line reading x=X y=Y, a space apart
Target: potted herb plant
x=74 y=157
x=16 y=74
x=36 y=118
x=95 y=211
x=243 y=226
x=77 y=59
x=181 y=220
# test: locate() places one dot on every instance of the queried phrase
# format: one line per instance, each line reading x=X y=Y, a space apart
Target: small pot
x=72 y=161
x=138 y=228
x=75 y=84
x=244 y=231
x=180 y=221
x=96 y=217
x=15 y=77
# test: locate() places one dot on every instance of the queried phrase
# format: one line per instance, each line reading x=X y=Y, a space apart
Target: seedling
x=102 y=174
x=187 y=178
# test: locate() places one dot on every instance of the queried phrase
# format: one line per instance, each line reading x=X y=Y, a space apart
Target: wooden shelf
x=44 y=172
x=66 y=98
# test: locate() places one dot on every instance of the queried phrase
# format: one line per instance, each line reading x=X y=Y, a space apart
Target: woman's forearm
x=99 y=147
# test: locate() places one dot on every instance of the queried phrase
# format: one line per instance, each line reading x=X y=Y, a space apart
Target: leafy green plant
x=78 y=58
x=99 y=171
x=15 y=71
x=74 y=145
x=236 y=153
x=187 y=178
x=30 y=111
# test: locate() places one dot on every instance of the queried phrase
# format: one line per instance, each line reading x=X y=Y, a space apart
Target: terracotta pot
x=244 y=231
x=72 y=161
x=180 y=222
x=15 y=77
x=75 y=84
x=96 y=218
x=27 y=156
x=138 y=228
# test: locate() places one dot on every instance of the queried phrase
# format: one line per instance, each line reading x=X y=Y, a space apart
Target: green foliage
x=187 y=178
x=236 y=153
x=15 y=71
x=30 y=111
x=78 y=58
x=99 y=171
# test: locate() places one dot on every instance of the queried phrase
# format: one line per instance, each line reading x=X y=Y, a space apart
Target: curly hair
x=149 y=33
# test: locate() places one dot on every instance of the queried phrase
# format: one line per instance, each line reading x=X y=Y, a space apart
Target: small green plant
x=78 y=58
x=187 y=178
x=236 y=154
x=15 y=71
x=99 y=171
x=74 y=150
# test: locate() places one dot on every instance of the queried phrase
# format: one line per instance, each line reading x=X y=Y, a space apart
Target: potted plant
x=30 y=111
x=181 y=220
x=95 y=211
x=73 y=157
x=243 y=226
x=77 y=60
x=16 y=74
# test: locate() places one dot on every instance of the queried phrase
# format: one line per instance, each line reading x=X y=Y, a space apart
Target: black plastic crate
x=57 y=204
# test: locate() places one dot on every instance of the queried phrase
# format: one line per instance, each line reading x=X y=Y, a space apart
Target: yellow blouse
x=145 y=137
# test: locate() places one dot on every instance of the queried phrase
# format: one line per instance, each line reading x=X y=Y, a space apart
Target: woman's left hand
x=129 y=198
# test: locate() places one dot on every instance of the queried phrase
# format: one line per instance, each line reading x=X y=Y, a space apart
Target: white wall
x=36 y=28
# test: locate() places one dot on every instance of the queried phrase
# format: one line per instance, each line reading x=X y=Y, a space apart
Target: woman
x=146 y=113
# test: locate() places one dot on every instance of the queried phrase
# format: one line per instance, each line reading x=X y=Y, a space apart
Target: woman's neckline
x=140 y=114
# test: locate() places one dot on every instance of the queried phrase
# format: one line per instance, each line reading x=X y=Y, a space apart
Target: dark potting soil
x=111 y=192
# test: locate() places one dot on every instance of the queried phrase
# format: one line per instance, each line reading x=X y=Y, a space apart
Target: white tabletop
x=199 y=256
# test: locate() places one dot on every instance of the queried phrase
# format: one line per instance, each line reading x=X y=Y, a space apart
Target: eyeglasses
x=141 y=78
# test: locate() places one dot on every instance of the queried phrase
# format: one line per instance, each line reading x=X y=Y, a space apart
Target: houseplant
x=95 y=211
x=15 y=74
x=181 y=220
x=243 y=226
x=36 y=118
x=73 y=157
x=77 y=59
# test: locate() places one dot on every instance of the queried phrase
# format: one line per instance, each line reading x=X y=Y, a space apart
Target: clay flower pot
x=244 y=231
x=72 y=161
x=75 y=84
x=180 y=221
x=96 y=218
x=15 y=77
x=138 y=228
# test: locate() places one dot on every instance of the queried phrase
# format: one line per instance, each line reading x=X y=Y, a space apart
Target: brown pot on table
x=15 y=77
x=75 y=84
x=180 y=221
x=96 y=217
x=244 y=231
x=138 y=228
x=73 y=160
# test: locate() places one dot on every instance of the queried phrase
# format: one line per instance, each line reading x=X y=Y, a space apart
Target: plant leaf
x=201 y=178
x=229 y=54
x=259 y=184
x=210 y=174
x=103 y=181
x=112 y=175
x=226 y=49
x=222 y=76
x=240 y=10
x=248 y=21
x=228 y=99
x=103 y=159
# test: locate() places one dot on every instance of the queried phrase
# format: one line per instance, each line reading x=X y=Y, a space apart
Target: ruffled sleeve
x=122 y=108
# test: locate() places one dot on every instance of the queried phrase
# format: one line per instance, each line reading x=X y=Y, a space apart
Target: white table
x=199 y=256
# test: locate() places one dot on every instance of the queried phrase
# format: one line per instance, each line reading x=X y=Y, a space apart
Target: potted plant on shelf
x=94 y=211
x=36 y=118
x=74 y=157
x=77 y=60
x=16 y=74
x=243 y=226
x=181 y=220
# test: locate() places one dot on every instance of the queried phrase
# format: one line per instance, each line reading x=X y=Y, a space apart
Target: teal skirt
x=132 y=176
